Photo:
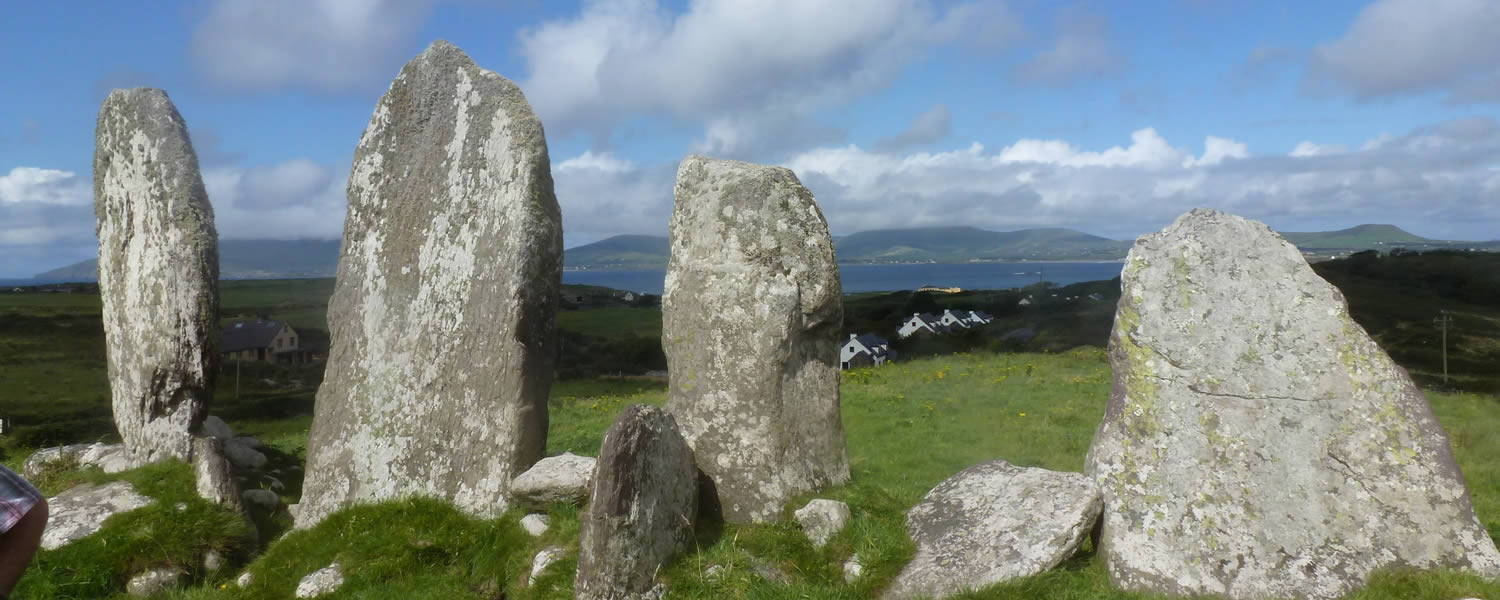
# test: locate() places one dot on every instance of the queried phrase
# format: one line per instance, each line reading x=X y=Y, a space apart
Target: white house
x=955 y=320
x=921 y=322
x=979 y=317
x=860 y=350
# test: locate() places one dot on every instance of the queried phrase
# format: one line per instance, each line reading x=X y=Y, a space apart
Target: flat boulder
x=110 y=458
x=442 y=322
x=81 y=511
x=994 y=522
x=563 y=478
x=751 y=319
x=642 y=509
x=158 y=273
x=1257 y=442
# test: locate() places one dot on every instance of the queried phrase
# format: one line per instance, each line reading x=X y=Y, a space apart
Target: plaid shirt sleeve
x=17 y=496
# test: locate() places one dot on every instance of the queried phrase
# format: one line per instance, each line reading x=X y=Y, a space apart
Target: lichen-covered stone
x=750 y=325
x=442 y=323
x=642 y=509
x=821 y=519
x=110 y=458
x=81 y=510
x=566 y=477
x=155 y=581
x=1257 y=443
x=158 y=273
x=212 y=472
x=321 y=582
x=993 y=522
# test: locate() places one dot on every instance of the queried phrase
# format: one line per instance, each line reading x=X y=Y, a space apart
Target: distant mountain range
x=243 y=259
x=269 y=259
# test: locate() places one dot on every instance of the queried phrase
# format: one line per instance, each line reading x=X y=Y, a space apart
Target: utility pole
x=1443 y=319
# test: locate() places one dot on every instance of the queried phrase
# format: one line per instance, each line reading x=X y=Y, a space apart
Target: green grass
x=614 y=322
x=909 y=426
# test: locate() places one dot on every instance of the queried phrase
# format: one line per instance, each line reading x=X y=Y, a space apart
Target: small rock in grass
x=536 y=525
x=543 y=559
x=713 y=571
x=853 y=569
x=154 y=581
x=212 y=560
x=822 y=519
x=322 y=581
x=245 y=579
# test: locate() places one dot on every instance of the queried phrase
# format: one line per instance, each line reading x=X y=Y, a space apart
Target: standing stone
x=1257 y=442
x=642 y=509
x=750 y=326
x=442 y=320
x=994 y=522
x=158 y=273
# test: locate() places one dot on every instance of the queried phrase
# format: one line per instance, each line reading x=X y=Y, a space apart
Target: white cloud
x=1308 y=148
x=44 y=186
x=328 y=45
x=1397 y=47
x=291 y=200
x=1215 y=150
x=732 y=65
x=601 y=196
x=46 y=220
x=1436 y=180
x=1084 y=48
x=932 y=125
x=1147 y=149
x=604 y=161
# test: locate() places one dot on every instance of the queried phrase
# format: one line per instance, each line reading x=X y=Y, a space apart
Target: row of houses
x=950 y=320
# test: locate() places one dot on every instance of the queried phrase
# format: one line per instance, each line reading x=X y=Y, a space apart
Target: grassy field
x=909 y=426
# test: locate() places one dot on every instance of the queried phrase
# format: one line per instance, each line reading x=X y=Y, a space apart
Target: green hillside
x=960 y=244
x=1358 y=237
x=244 y=259
x=620 y=252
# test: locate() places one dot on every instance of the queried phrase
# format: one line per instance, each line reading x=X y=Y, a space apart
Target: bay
x=890 y=278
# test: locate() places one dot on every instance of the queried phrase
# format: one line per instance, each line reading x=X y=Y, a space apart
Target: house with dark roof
x=262 y=340
x=921 y=323
x=864 y=350
x=979 y=317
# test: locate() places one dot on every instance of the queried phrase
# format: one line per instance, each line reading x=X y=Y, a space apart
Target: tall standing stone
x=158 y=273
x=641 y=509
x=750 y=326
x=442 y=320
x=1257 y=442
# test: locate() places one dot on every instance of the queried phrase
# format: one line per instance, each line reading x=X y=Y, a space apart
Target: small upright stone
x=1257 y=443
x=642 y=509
x=750 y=325
x=442 y=322
x=158 y=274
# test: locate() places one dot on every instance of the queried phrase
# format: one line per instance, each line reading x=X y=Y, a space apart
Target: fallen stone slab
x=564 y=478
x=82 y=510
x=155 y=581
x=326 y=580
x=994 y=522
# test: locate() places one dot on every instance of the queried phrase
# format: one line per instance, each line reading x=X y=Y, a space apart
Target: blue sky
x=1109 y=117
